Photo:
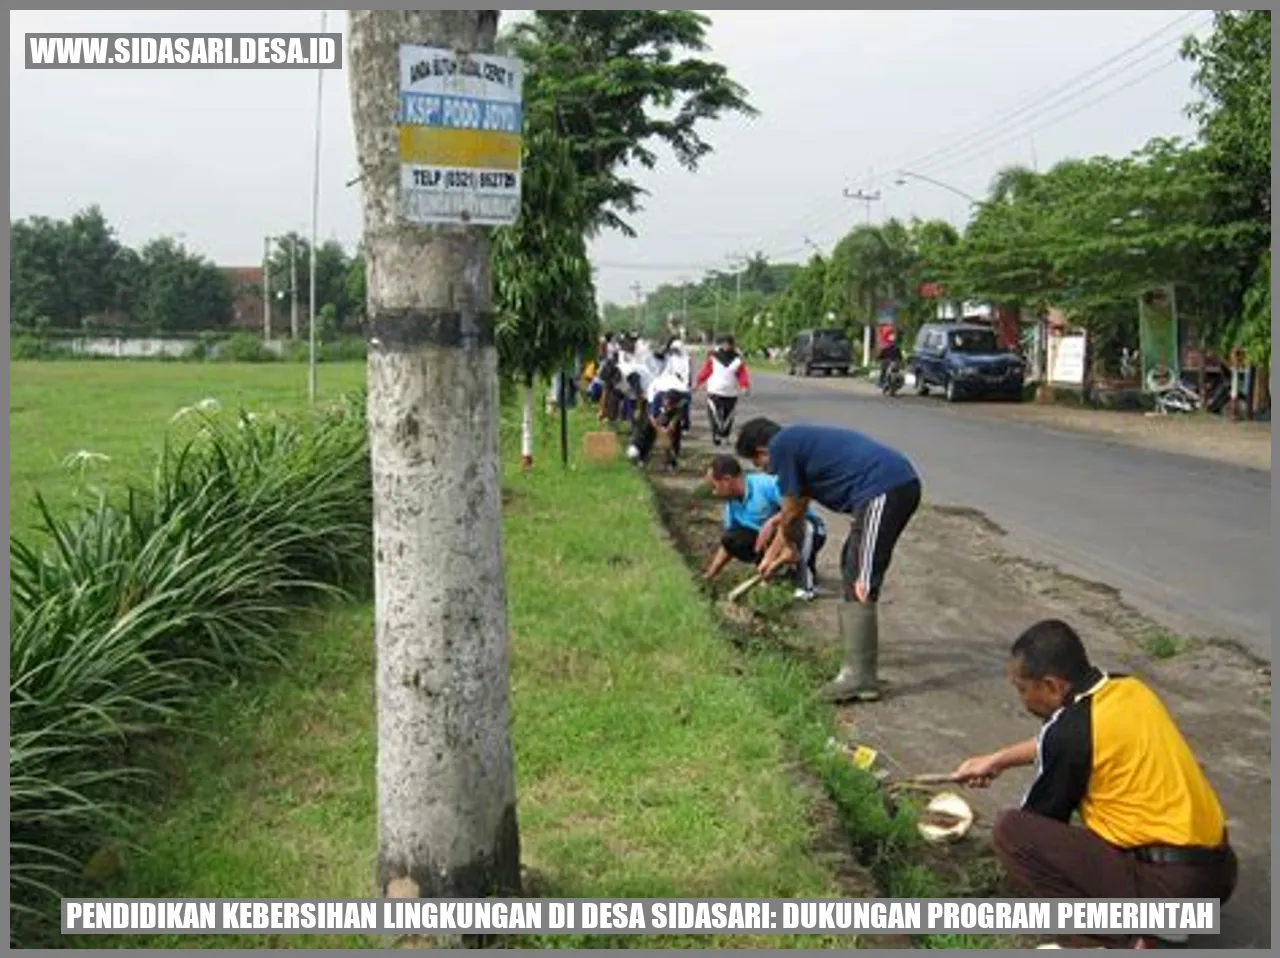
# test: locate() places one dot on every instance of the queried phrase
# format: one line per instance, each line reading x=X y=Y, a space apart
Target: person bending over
x=751 y=500
x=850 y=473
x=1151 y=824
x=659 y=423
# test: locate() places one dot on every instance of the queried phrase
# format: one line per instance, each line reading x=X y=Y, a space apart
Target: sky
x=847 y=99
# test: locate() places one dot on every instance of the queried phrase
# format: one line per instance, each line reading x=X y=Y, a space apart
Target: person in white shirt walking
x=725 y=375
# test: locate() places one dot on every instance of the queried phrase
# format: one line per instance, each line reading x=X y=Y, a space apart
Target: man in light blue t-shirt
x=750 y=501
x=851 y=473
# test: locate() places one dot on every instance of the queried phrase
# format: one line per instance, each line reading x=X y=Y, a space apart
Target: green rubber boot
x=857 y=680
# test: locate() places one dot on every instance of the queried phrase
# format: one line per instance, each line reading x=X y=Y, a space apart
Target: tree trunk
x=526 y=428
x=446 y=786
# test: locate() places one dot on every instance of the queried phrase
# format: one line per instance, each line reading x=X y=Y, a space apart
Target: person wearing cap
x=1151 y=824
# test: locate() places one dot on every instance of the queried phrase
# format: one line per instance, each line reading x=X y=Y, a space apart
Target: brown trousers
x=1052 y=860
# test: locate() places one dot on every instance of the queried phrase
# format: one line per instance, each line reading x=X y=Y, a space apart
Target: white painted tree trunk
x=446 y=787
x=526 y=429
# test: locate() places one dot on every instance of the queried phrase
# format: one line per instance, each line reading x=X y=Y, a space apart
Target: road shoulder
x=955 y=600
x=1205 y=437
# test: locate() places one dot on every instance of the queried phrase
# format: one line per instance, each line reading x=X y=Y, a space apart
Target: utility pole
x=739 y=263
x=447 y=825
x=315 y=227
x=863 y=196
x=636 y=288
x=266 y=288
x=293 y=285
x=715 y=321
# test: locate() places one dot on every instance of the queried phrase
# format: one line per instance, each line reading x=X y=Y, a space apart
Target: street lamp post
x=904 y=175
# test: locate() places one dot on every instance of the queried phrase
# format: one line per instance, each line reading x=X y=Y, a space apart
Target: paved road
x=1188 y=541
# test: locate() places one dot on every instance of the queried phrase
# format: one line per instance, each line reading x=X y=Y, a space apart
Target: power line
x=806 y=223
x=964 y=152
x=1058 y=119
x=1005 y=117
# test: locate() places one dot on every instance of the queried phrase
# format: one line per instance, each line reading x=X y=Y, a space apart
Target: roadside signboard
x=460 y=120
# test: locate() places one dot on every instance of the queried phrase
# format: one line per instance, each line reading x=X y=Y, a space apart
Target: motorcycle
x=893 y=380
x=1172 y=395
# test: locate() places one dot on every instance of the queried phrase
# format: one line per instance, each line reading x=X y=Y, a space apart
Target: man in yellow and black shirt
x=1109 y=751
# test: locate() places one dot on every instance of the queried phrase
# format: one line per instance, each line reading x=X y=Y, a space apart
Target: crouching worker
x=1152 y=824
x=750 y=501
x=660 y=423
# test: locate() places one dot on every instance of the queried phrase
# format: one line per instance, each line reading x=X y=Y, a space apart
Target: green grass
x=649 y=763
x=126 y=615
x=654 y=758
x=1160 y=644
x=122 y=410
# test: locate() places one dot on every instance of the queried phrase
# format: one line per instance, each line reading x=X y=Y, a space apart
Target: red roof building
x=246 y=304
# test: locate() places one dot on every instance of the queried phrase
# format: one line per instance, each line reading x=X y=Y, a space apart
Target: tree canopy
x=621 y=80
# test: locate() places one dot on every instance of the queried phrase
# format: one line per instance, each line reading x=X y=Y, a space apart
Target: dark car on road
x=965 y=361
x=826 y=349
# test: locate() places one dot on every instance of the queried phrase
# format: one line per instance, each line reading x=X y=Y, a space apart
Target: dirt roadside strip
x=1240 y=443
x=955 y=600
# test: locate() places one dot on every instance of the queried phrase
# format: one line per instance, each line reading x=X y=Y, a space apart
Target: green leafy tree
x=933 y=244
x=543 y=289
x=181 y=291
x=66 y=271
x=622 y=81
x=800 y=306
x=542 y=276
x=1233 y=73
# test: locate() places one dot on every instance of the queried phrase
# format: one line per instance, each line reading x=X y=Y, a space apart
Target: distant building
x=246 y=304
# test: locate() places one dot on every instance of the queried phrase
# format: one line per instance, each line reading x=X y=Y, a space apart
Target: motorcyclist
x=889 y=354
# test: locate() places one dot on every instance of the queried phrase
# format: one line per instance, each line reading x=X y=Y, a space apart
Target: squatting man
x=750 y=501
x=1108 y=750
x=849 y=473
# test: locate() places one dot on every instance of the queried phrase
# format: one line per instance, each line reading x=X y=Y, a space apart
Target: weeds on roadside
x=132 y=609
x=1163 y=645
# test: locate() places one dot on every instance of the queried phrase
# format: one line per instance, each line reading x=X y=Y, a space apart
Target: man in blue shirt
x=750 y=501
x=850 y=473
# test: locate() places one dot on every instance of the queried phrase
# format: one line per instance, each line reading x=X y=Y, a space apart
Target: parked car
x=965 y=361
x=826 y=349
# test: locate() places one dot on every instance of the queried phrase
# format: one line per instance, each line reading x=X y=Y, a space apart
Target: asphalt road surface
x=1186 y=540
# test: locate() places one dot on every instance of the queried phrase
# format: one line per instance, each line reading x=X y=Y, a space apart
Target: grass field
x=122 y=409
x=653 y=758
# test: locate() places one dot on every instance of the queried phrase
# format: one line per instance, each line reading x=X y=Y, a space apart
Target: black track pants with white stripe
x=720 y=414
x=873 y=534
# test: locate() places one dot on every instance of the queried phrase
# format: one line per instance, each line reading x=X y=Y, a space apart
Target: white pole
x=315 y=225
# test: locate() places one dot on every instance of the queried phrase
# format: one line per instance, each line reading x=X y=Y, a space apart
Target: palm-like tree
x=1011 y=184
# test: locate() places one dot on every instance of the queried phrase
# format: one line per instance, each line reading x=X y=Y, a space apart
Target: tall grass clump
x=132 y=607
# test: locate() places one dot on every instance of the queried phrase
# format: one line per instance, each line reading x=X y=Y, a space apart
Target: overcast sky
x=224 y=157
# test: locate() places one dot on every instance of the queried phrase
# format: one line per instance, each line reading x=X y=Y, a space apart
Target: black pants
x=644 y=437
x=720 y=411
x=873 y=534
x=740 y=542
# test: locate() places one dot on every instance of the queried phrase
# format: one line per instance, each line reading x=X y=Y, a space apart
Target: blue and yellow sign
x=460 y=121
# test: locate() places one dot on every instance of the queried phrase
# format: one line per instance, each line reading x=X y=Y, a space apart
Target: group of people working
x=1107 y=751
x=652 y=391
